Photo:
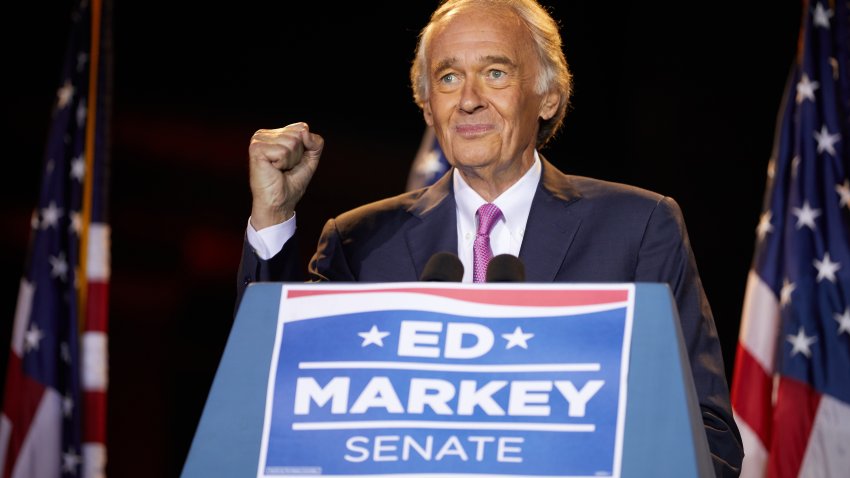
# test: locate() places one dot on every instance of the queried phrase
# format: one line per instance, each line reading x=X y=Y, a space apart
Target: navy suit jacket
x=579 y=230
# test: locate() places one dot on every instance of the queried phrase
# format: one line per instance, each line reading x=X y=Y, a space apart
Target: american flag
x=54 y=410
x=430 y=163
x=791 y=385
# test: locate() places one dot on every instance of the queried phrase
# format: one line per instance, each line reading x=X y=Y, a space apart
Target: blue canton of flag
x=430 y=163
x=791 y=388
x=53 y=418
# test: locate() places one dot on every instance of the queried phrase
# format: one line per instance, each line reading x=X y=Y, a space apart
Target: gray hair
x=553 y=76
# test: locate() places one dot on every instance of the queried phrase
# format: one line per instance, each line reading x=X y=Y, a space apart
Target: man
x=491 y=78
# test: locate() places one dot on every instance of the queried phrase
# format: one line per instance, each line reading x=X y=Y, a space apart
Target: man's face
x=482 y=70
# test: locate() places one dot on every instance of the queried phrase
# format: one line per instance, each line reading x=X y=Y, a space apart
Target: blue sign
x=463 y=380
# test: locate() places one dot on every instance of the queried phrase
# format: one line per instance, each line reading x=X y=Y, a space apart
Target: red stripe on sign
x=97 y=307
x=794 y=414
x=94 y=411
x=540 y=298
x=751 y=390
x=22 y=398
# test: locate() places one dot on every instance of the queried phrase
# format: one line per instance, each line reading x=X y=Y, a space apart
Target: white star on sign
x=32 y=338
x=806 y=216
x=517 y=338
x=822 y=16
x=800 y=343
x=373 y=336
x=764 y=227
x=826 y=268
x=785 y=294
x=843 y=321
x=806 y=89
x=826 y=141
x=64 y=95
x=50 y=215
x=843 y=190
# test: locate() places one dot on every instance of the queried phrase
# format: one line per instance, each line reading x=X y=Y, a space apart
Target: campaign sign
x=424 y=379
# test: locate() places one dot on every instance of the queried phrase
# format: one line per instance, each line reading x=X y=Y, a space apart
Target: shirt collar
x=515 y=202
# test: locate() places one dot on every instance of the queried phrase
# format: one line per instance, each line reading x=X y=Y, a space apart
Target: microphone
x=442 y=267
x=505 y=268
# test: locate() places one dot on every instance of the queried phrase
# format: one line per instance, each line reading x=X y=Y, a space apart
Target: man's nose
x=470 y=96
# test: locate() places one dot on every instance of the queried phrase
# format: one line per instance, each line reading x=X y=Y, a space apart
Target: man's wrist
x=263 y=218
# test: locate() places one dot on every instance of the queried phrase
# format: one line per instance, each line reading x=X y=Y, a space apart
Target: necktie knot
x=488 y=214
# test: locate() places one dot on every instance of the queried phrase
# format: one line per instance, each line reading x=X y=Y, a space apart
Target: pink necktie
x=488 y=214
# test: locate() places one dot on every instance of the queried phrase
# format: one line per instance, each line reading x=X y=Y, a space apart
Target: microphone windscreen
x=505 y=268
x=442 y=267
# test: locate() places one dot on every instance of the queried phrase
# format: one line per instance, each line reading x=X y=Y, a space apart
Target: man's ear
x=550 y=104
x=426 y=112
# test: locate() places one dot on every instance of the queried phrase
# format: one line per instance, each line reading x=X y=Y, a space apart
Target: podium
x=662 y=433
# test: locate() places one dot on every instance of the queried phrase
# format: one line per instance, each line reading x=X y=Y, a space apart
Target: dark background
x=677 y=97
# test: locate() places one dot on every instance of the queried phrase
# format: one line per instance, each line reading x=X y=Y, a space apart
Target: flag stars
x=765 y=227
x=78 y=168
x=76 y=222
x=81 y=113
x=32 y=337
x=70 y=461
x=843 y=321
x=806 y=216
x=50 y=215
x=64 y=94
x=843 y=190
x=826 y=141
x=373 y=336
x=826 y=268
x=801 y=343
x=58 y=266
x=785 y=294
x=430 y=164
x=806 y=89
x=67 y=406
x=517 y=338
x=822 y=16
x=82 y=59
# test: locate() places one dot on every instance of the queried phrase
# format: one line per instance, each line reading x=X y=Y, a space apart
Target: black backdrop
x=678 y=97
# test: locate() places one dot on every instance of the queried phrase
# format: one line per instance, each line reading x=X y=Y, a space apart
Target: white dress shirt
x=505 y=237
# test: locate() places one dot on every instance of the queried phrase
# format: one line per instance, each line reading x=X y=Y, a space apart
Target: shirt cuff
x=268 y=241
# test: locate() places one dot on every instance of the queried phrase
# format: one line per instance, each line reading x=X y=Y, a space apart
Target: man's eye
x=497 y=74
x=448 y=79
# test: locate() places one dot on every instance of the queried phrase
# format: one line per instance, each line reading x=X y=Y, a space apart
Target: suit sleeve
x=330 y=262
x=665 y=256
x=282 y=267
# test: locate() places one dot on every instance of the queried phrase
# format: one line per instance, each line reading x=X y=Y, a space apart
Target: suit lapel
x=551 y=225
x=437 y=227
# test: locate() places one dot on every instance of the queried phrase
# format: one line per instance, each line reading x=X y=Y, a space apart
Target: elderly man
x=491 y=78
